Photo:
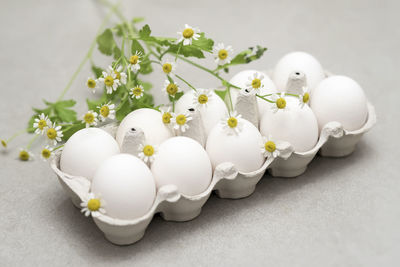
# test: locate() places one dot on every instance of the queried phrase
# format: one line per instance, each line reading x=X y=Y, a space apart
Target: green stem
x=16 y=135
x=31 y=141
x=56 y=148
x=183 y=80
x=270 y=101
x=88 y=54
x=230 y=98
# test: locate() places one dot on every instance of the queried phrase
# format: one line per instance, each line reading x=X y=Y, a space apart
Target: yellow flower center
x=166 y=117
x=46 y=153
x=134 y=59
x=222 y=54
x=93 y=204
x=167 y=67
x=23 y=155
x=256 y=83
x=181 y=119
x=137 y=91
x=3 y=143
x=89 y=118
x=232 y=122
x=281 y=103
x=109 y=80
x=270 y=146
x=306 y=97
x=188 y=33
x=148 y=150
x=42 y=124
x=172 y=89
x=51 y=133
x=105 y=111
x=202 y=99
x=91 y=83
x=117 y=75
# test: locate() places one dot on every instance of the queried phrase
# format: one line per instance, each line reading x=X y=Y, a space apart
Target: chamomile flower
x=46 y=153
x=25 y=154
x=107 y=111
x=136 y=92
x=304 y=98
x=280 y=102
x=134 y=61
x=222 y=54
x=54 y=134
x=110 y=80
x=92 y=84
x=188 y=35
x=147 y=153
x=41 y=124
x=201 y=98
x=90 y=118
x=166 y=116
x=269 y=148
x=171 y=88
x=121 y=76
x=232 y=123
x=180 y=121
x=255 y=81
x=168 y=66
x=92 y=206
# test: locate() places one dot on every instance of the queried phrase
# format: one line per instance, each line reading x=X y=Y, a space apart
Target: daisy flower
x=280 y=102
x=90 y=118
x=166 y=116
x=255 y=81
x=171 y=88
x=147 y=153
x=92 y=84
x=232 y=124
x=46 y=153
x=180 y=121
x=92 y=206
x=121 y=76
x=54 y=134
x=304 y=98
x=25 y=154
x=134 y=61
x=168 y=66
x=202 y=97
x=107 y=111
x=110 y=80
x=3 y=143
x=136 y=92
x=268 y=148
x=222 y=54
x=41 y=124
x=188 y=35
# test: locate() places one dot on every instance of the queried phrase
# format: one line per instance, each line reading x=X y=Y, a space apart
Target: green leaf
x=176 y=97
x=122 y=110
x=145 y=31
x=65 y=103
x=248 y=56
x=70 y=130
x=105 y=42
x=93 y=104
x=146 y=85
x=137 y=20
x=63 y=111
x=221 y=93
x=204 y=43
x=144 y=34
x=97 y=71
x=116 y=53
x=136 y=46
x=186 y=50
x=30 y=128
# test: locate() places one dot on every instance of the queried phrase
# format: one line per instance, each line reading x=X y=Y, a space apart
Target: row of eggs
x=128 y=186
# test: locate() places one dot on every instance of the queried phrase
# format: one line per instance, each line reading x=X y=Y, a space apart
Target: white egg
x=183 y=162
x=126 y=187
x=341 y=99
x=298 y=61
x=296 y=125
x=210 y=114
x=149 y=121
x=242 y=78
x=85 y=150
x=242 y=149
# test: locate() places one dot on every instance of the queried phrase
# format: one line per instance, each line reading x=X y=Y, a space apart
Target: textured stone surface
x=340 y=212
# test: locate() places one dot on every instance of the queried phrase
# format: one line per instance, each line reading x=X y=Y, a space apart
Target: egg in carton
x=173 y=205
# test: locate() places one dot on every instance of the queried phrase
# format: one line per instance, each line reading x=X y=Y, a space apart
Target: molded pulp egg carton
x=227 y=181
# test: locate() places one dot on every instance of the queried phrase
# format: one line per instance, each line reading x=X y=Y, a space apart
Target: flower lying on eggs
x=180 y=121
x=255 y=81
x=201 y=98
x=304 y=98
x=147 y=153
x=92 y=206
x=280 y=102
x=232 y=124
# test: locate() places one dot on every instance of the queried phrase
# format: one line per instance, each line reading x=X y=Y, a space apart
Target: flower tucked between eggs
x=304 y=98
x=147 y=153
x=202 y=97
x=188 y=34
x=255 y=81
x=222 y=54
x=269 y=148
x=166 y=116
x=180 y=121
x=92 y=206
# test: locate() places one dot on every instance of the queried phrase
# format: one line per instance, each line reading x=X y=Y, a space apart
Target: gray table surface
x=341 y=212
